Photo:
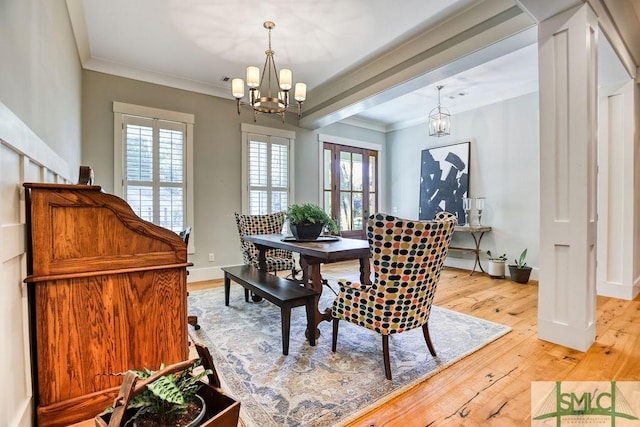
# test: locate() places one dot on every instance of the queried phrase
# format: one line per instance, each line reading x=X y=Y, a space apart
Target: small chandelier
x=268 y=93
x=439 y=119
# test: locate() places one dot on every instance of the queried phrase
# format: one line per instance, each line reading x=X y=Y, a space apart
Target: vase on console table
x=480 y=208
x=466 y=206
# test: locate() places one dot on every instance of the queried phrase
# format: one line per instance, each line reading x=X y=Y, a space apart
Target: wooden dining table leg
x=262 y=257
x=311 y=275
x=262 y=265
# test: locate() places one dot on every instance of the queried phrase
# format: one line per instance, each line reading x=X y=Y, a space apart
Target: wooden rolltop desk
x=107 y=293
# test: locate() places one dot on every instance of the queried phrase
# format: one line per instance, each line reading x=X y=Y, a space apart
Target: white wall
x=40 y=74
x=39 y=101
x=504 y=168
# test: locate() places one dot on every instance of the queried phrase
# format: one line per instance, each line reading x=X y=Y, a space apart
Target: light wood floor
x=493 y=385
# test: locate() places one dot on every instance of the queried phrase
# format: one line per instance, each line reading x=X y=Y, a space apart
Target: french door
x=350 y=187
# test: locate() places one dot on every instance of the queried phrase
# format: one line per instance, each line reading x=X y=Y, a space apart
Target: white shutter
x=154 y=159
x=267 y=170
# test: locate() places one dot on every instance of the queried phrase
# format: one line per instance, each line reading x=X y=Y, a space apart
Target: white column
x=617 y=195
x=567 y=46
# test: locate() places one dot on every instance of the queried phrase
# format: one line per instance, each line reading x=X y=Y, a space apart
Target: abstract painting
x=444 y=180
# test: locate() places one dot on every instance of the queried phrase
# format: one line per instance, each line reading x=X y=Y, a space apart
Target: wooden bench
x=282 y=292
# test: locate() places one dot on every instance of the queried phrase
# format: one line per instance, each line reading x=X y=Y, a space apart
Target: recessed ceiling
x=195 y=44
x=202 y=41
x=508 y=76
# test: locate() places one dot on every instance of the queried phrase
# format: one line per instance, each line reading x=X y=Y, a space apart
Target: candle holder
x=466 y=206
x=480 y=208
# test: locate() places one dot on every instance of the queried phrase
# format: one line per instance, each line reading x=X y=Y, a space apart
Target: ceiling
x=197 y=44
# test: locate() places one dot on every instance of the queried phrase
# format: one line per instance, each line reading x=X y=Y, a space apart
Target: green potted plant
x=520 y=271
x=167 y=397
x=306 y=221
x=496 y=265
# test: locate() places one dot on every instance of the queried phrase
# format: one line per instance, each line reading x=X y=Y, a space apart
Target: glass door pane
x=349 y=187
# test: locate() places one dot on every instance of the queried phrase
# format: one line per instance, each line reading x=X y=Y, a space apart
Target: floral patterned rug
x=313 y=386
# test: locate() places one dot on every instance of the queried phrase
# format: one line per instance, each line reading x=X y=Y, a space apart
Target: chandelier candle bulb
x=237 y=87
x=285 y=79
x=253 y=77
x=301 y=92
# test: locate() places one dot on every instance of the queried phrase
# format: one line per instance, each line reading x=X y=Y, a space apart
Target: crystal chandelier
x=268 y=93
x=439 y=119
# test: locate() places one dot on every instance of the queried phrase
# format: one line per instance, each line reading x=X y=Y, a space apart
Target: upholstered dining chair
x=277 y=259
x=407 y=260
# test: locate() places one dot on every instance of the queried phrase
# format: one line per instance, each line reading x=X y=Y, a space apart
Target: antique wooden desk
x=312 y=255
x=476 y=231
x=107 y=292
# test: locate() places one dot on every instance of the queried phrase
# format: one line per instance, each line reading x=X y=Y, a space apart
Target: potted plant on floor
x=520 y=271
x=306 y=221
x=167 y=397
x=496 y=265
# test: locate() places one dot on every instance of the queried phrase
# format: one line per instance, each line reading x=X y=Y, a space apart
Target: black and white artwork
x=444 y=180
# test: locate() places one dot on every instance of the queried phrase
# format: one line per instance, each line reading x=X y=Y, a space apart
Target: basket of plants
x=174 y=395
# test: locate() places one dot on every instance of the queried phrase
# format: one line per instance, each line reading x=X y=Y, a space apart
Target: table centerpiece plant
x=307 y=221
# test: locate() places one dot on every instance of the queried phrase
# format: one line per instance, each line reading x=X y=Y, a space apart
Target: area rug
x=313 y=386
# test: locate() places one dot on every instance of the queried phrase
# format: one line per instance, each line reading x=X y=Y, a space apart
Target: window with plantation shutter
x=267 y=166
x=155 y=164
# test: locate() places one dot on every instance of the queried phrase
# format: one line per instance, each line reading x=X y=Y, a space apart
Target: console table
x=476 y=231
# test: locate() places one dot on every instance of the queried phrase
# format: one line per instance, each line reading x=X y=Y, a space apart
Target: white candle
x=253 y=76
x=285 y=79
x=237 y=88
x=301 y=92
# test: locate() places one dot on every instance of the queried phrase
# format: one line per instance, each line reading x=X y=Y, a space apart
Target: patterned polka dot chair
x=407 y=259
x=277 y=259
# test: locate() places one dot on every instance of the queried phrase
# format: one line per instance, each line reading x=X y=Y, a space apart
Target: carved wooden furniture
x=107 y=292
x=407 y=260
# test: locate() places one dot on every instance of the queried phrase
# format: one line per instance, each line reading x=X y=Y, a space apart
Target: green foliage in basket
x=167 y=397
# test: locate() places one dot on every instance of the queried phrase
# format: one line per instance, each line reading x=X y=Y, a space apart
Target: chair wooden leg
x=385 y=354
x=334 y=338
x=193 y=321
x=427 y=338
x=286 y=322
x=227 y=289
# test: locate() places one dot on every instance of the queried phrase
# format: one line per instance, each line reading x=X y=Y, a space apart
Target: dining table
x=314 y=253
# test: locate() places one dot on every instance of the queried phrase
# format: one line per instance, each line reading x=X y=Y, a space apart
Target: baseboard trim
x=204 y=274
x=617 y=290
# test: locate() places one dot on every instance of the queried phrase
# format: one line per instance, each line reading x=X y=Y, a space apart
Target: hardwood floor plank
x=492 y=387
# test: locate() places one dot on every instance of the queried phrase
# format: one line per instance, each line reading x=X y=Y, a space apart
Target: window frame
x=265 y=132
x=120 y=110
